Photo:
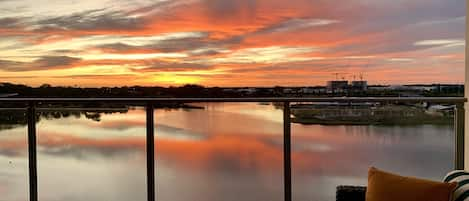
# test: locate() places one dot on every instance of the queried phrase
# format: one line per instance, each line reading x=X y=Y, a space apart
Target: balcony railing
x=33 y=105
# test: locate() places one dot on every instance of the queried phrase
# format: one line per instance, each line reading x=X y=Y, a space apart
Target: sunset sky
x=230 y=42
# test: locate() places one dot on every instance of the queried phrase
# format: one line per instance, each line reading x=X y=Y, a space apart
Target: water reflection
x=228 y=151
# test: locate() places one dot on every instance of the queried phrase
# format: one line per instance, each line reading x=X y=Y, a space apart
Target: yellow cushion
x=384 y=186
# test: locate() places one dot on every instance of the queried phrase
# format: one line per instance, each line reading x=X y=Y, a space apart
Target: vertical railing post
x=150 y=139
x=32 y=160
x=287 y=151
x=459 y=113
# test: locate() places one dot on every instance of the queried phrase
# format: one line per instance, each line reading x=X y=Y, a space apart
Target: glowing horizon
x=231 y=43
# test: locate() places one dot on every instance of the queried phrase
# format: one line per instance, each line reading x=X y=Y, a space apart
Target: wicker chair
x=350 y=193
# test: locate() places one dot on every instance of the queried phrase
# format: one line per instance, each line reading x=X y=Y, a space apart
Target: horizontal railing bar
x=94 y=109
x=14 y=109
x=283 y=99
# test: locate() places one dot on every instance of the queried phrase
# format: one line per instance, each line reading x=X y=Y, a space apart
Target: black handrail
x=449 y=100
x=32 y=104
x=150 y=153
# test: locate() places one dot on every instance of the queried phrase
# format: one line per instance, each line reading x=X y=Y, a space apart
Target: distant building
x=249 y=90
x=422 y=87
x=313 y=90
x=379 y=87
x=228 y=90
x=287 y=90
x=359 y=85
x=337 y=86
x=397 y=87
x=413 y=87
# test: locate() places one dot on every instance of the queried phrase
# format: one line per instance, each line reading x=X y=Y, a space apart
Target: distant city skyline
x=231 y=43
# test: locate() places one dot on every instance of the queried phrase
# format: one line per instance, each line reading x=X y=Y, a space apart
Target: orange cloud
x=251 y=39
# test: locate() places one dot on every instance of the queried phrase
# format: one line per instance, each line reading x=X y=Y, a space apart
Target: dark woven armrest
x=350 y=193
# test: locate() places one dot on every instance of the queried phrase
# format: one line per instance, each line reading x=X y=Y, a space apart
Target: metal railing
x=32 y=107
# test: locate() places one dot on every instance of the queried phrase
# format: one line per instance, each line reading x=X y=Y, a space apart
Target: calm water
x=226 y=152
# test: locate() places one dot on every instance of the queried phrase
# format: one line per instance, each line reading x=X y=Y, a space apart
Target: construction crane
x=339 y=76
